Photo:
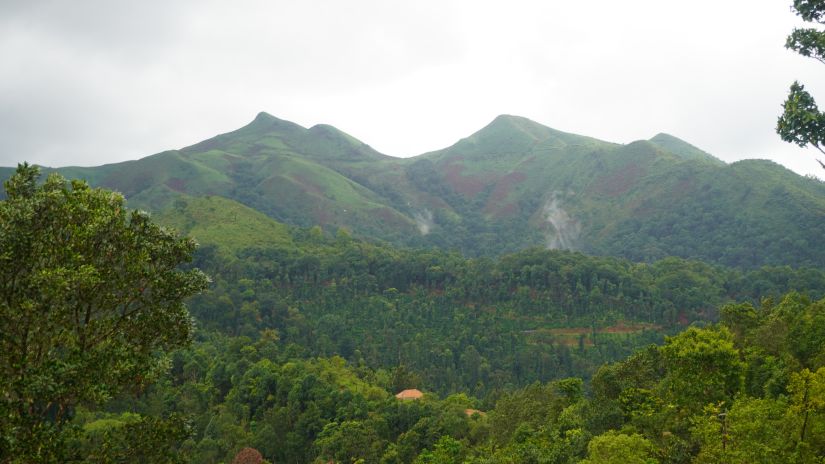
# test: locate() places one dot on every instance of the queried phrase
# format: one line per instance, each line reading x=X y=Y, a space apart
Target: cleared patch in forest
x=573 y=336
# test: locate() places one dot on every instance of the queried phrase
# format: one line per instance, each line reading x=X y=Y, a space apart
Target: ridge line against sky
x=95 y=82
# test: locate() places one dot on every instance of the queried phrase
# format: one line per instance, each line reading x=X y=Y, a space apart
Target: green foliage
x=350 y=441
x=223 y=223
x=443 y=323
x=450 y=323
x=90 y=295
x=447 y=450
x=307 y=336
x=135 y=440
x=530 y=408
x=678 y=403
x=617 y=448
x=807 y=412
x=752 y=431
x=802 y=122
x=702 y=366
x=810 y=10
x=299 y=410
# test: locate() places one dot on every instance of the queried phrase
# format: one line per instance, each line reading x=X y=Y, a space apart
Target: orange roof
x=411 y=394
x=470 y=412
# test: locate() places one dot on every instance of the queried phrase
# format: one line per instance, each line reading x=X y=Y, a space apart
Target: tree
x=703 y=367
x=447 y=450
x=614 y=447
x=750 y=432
x=91 y=295
x=248 y=456
x=807 y=394
x=137 y=439
x=350 y=441
x=802 y=122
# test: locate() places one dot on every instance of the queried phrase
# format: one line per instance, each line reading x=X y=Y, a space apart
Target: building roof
x=411 y=394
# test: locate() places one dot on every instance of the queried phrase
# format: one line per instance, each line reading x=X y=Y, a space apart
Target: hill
x=511 y=185
x=224 y=224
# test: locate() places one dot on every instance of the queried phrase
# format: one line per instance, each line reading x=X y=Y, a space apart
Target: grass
x=223 y=223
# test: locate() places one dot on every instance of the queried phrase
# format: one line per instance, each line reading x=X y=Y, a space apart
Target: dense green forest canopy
x=306 y=335
x=749 y=389
x=304 y=341
x=472 y=325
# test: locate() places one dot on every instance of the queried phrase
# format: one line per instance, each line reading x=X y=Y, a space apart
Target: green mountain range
x=513 y=184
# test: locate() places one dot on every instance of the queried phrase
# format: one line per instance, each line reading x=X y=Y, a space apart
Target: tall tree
x=90 y=295
x=802 y=122
x=703 y=367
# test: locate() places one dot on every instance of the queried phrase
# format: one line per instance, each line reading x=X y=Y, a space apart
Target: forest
x=315 y=380
x=371 y=330
x=306 y=366
x=300 y=347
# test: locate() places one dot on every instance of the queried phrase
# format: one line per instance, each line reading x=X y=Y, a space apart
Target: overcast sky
x=94 y=82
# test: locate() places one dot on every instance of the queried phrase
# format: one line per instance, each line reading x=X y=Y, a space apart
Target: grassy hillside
x=223 y=223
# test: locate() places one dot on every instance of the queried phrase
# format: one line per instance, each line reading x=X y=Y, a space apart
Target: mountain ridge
x=512 y=184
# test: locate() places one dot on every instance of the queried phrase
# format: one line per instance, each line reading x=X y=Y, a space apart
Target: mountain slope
x=276 y=167
x=513 y=184
x=225 y=224
x=683 y=149
x=638 y=200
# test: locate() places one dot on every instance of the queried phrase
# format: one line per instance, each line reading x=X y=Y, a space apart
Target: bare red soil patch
x=630 y=328
x=620 y=181
x=495 y=204
x=467 y=186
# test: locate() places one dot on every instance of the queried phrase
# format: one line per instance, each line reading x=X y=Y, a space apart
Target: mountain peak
x=264 y=116
x=330 y=142
x=266 y=120
x=264 y=125
x=681 y=148
x=509 y=126
x=517 y=122
x=513 y=118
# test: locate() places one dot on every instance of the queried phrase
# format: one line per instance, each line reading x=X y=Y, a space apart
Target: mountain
x=513 y=184
x=274 y=166
x=643 y=200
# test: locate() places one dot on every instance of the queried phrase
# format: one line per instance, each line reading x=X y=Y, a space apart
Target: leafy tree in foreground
x=802 y=122
x=90 y=296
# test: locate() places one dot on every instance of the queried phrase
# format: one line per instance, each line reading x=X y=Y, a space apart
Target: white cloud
x=92 y=82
